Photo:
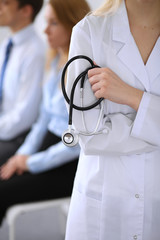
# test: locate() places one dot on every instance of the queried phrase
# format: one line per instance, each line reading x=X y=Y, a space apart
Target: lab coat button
x=135 y=237
x=137 y=195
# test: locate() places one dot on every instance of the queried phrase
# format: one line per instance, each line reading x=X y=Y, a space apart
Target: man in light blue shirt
x=22 y=78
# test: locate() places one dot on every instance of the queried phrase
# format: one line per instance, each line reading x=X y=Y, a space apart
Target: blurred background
x=48 y=226
x=40 y=24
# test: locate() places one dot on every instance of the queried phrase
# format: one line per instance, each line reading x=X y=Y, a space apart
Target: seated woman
x=43 y=167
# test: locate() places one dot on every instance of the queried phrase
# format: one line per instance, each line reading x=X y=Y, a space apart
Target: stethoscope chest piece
x=70 y=138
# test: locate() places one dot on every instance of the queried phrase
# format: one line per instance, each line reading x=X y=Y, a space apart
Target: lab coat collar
x=153 y=63
x=121 y=30
x=128 y=52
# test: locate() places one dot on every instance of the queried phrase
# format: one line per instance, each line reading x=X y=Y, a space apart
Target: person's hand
x=106 y=84
x=16 y=164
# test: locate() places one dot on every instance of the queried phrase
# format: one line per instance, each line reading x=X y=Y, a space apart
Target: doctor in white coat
x=116 y=194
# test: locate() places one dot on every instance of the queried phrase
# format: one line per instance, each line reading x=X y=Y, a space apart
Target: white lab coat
x=116 y=194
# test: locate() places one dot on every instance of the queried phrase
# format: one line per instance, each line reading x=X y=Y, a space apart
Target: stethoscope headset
x=70 y=137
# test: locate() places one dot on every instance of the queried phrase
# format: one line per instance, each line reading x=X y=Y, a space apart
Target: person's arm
x=54 y=156
x=106 y=84
x=25 y=108
x=146 y=125
x=119 y=137
x=36 y=135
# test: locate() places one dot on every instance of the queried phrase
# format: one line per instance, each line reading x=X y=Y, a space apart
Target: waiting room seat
x=15 y=211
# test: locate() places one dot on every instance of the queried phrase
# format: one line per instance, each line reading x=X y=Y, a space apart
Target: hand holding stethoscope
x=106 y=84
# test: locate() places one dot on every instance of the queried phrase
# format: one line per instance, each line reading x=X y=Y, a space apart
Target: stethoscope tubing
x=81 y=77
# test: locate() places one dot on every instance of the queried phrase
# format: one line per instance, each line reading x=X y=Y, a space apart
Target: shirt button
x=135 y=237
x=137 y=195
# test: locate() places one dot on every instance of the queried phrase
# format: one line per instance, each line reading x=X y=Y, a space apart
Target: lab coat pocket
x=89 y=177
x=84 y=218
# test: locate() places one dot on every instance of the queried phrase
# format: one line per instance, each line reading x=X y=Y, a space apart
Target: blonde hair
x=109 y=6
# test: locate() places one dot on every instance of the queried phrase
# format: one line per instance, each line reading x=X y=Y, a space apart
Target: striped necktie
x=7 y=53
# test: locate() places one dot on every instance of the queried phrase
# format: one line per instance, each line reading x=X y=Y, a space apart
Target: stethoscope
x=70 y=137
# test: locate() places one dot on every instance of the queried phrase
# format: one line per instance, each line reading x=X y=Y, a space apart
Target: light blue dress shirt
x=53 y=117
x=22 y=83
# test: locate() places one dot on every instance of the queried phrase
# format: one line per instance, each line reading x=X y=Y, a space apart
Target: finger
x=7 y=175
x=98 y=94
x=7 y=171
x=4 y=174
x=94 y=71
x=96 y=78
x=19 y=172
x=96 y=87
x=2 y=170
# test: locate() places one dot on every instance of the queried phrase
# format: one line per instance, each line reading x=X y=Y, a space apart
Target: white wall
x=4 y=32
x=95 y=3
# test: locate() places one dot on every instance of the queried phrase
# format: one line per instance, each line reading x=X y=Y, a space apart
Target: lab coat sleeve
x=25 y=109
x=147 y=122
x=117 y=136
x=53 y=157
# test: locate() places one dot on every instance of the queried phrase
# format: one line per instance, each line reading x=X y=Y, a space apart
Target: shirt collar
x=23 y=35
